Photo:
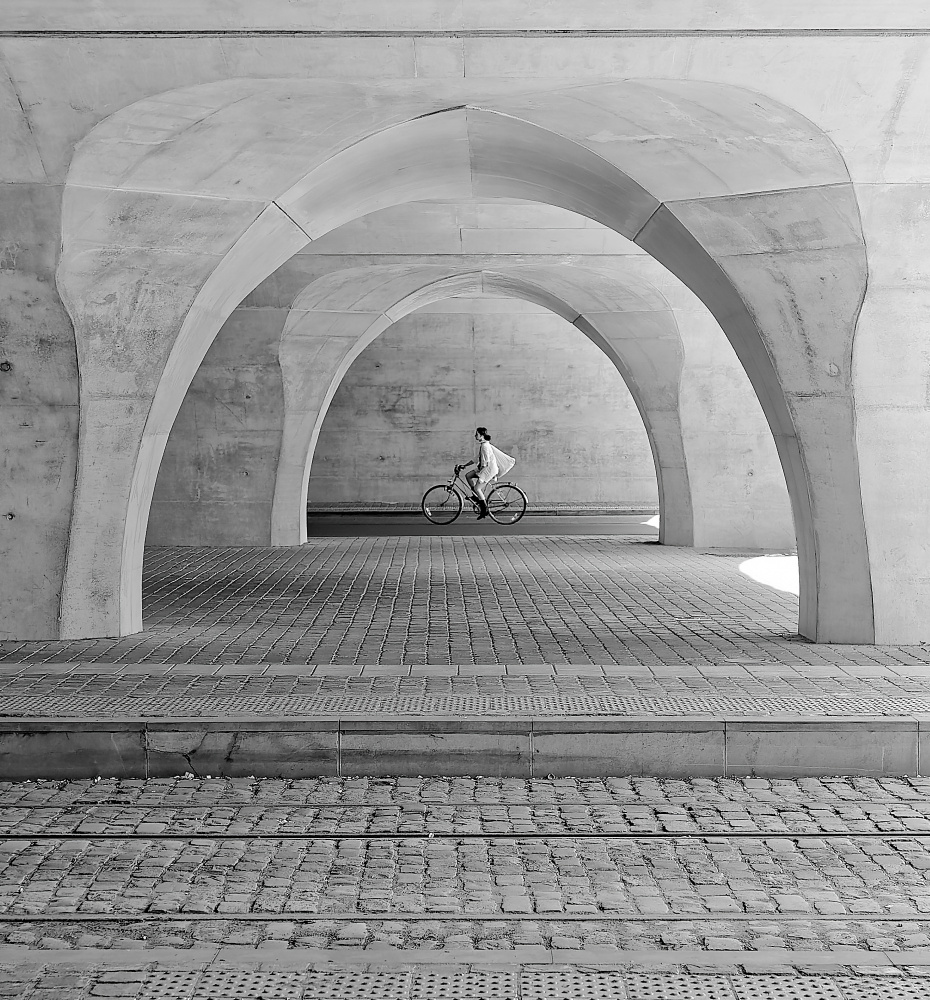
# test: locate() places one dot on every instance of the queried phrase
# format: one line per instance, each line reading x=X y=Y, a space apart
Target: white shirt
x=487 y=462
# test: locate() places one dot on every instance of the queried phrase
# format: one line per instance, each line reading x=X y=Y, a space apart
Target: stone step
x=526 y=747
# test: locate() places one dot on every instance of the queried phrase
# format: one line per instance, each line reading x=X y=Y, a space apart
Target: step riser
x=519 y=748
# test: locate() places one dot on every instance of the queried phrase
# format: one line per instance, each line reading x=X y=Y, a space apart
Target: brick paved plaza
x=458 y=600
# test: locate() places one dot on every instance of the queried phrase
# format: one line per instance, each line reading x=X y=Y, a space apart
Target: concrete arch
x=178 y=206
x=336 y=317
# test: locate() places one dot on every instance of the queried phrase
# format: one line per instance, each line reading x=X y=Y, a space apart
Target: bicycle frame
x=460 y=485
x=464 y=490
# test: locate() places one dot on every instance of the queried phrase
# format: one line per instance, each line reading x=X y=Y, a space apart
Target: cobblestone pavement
x=751 y=851
x=455 y=600
x=402 y=888
x=354 y=806
x=730 y=690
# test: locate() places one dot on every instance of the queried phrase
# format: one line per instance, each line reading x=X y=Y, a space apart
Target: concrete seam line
x=291 y=219
x=652 y=215
x=472 y=33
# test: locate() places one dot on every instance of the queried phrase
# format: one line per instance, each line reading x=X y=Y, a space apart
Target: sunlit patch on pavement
x=778 y=572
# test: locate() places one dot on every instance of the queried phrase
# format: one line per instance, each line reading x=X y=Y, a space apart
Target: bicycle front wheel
x=507 y=503
x=441 y=505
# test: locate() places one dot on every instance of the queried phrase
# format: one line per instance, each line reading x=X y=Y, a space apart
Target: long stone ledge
x=522 y=747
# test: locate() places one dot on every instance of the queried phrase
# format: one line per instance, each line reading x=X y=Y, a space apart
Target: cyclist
x=491 y=463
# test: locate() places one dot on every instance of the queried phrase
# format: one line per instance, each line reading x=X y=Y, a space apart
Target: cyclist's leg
x=478 y=488
x=471 y=477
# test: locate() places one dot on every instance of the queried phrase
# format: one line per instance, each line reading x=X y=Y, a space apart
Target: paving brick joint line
x=444 y=600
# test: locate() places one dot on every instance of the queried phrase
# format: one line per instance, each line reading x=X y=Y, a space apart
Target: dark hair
x=483 y=431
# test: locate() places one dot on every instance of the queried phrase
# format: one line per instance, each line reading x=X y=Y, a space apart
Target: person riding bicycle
x=491 y=463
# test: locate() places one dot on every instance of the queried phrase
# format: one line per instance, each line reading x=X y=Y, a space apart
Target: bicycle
x=443 y=503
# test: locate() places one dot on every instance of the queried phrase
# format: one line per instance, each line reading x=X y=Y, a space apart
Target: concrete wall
x=864 y=82
x=406 y=411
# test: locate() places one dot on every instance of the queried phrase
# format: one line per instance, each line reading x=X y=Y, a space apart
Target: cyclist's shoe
x=484 y=509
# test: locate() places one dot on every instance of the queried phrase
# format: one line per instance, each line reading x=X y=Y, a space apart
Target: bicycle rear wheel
x=441 y=505
x=506 y=503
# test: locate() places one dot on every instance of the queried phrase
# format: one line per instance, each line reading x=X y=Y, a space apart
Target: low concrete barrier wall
x=291 y=747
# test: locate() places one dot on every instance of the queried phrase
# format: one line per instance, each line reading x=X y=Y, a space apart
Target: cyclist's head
x=482 y=432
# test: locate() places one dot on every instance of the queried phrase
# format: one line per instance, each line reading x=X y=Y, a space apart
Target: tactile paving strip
x=189 y=705
x=238 y=985
x=233 y=985
x=789 y=988
x=169 y=985
x=357 y=986
x=558 y=986
x=672 y=987
x=473 y=986
x=877 y=989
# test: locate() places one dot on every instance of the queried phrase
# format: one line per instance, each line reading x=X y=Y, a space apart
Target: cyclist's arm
x=465 y=465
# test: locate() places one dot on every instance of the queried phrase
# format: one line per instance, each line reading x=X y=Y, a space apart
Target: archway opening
x=406 y=408
x=734 y=227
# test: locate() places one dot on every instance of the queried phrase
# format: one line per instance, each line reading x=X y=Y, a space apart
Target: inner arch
x=336 y=317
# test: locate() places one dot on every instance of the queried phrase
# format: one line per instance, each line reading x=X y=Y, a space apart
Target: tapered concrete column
x=312 y=368
x=38 y=402
x=768 y=253
x=646 y=348
x=140 y=345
